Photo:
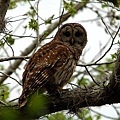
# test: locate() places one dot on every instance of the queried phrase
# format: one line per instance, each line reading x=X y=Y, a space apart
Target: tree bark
x=4 y=4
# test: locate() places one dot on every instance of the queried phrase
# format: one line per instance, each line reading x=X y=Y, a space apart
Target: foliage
x=69 y=6
x=39 y=104
x=10 y=39
x=59 y=116
x=83 y=81
x=49 y=20
x=13 y=3
x=4 y=93
x=2 y=43
x=33 y=24
x=8 y=115
x=32 y=12
x=115 y=2
x=86 y=115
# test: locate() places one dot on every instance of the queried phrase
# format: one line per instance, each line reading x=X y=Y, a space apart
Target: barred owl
x=52 y=66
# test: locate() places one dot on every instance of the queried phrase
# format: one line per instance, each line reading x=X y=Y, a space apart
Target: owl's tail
x=22 y=101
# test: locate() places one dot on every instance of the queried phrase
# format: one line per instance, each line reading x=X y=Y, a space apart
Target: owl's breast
x=65 y=73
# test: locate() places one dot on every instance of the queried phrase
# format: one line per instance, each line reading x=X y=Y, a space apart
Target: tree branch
x=4 y=4
x=14 y=58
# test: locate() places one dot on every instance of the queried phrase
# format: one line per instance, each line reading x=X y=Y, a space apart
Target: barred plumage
x=52 y=66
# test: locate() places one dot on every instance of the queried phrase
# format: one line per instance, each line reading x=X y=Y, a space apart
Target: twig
x=104 y=63
x=11 y=78
x=113 y=38
x=14 y=58
x=9 y=45
x=91 y=76
x=13 y=100
x=103 y=115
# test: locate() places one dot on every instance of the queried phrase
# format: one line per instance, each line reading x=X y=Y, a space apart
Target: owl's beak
x=72 y=41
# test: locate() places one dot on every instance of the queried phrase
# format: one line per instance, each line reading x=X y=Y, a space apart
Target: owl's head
x=73 y=34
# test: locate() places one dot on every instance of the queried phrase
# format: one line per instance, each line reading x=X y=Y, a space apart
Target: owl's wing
x=42 y=66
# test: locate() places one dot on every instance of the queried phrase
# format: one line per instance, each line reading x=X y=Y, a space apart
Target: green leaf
x=113 y=56
x=69 y=6
x=10 y=40
x=33 y=24
x=45 y=33
x=97 y=117
x=4 y=92
x=49 y=20
x=84 y=114
x=57 y=116
x=83 y=81
x=104 y=5
x=37 y=103
x=2 y=43
x=7 y=114
x=13 y=4
x=2 y=67
x=89 y=118
x=32 y=12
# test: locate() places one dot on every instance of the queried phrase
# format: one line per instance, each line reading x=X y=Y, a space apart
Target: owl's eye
x=66 y=33
x=78 y=34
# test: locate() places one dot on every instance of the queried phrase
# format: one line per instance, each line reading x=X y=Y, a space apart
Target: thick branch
x=29 y=49
x=4 y=4
x=68 y=100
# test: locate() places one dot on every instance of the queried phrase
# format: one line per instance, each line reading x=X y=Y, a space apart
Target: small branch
x=11 y=78
x=18 y=36
x=105 y=116
x=14 y=58
x=91 y=76
x=113 y=38
x=9 y=46
x=104 y=63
